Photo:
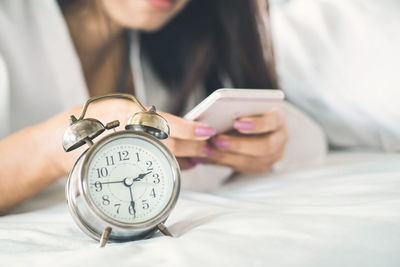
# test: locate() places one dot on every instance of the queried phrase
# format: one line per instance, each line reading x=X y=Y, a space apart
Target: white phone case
x=224 y=106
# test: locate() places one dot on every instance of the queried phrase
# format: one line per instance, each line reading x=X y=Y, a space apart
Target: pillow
x=339 y=62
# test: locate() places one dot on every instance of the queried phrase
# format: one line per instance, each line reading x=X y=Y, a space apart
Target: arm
x=33 y=158
x=27 y=164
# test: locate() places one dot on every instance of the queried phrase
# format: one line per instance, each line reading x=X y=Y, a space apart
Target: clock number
x=110 y=160
x=137 y=156
x=153 y=193
x=106 y=201
x=123 y=155
x=98 y=186
x=156 y=178
x=117 y=205
x=149 y=165
x=145 y=205
x=131 y=209
x=102 y=172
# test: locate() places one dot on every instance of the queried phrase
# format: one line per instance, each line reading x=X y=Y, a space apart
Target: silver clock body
x=92 y=219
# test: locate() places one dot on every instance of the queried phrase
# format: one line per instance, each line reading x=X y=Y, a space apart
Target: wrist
x=48 y=142
x=45 y=150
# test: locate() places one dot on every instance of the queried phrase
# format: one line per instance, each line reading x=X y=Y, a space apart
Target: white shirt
x=43 y=69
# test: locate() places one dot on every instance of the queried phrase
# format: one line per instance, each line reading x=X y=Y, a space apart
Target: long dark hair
x=210 y=39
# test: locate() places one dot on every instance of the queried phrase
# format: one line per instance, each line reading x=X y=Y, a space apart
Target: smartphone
x=221 y=108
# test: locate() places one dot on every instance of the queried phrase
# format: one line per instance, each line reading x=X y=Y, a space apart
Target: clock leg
x=163 y=229
x=104 y=236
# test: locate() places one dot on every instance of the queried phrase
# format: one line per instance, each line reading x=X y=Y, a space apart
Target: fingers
x=252 y=154
x=186 y=129
x=258 y=146
x=244 y=153
x=188 y=148
x=269 y=122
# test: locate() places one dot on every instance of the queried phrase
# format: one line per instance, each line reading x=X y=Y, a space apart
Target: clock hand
x=132 y=202
x=141 y=176
x=111 y=182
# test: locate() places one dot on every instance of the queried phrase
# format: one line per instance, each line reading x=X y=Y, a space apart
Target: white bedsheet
x=345 y=213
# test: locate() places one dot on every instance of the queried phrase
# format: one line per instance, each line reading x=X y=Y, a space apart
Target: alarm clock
x=125 y=185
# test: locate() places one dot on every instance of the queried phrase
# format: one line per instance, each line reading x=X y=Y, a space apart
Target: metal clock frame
x=148 y=226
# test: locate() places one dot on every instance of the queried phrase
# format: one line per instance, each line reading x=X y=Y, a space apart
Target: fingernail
x=243 y=125
x=197 y=161
x=220 y=143
x=208 y=151
x=204 y=131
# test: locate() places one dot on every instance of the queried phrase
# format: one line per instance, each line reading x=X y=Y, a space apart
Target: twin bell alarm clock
x=125 y=185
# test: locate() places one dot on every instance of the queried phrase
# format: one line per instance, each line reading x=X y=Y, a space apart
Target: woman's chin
x=147 y=24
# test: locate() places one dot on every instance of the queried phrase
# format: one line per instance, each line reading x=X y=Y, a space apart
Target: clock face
x=130 y=179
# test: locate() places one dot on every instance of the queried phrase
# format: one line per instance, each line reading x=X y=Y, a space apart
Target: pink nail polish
x=220 y=143
x=203 y=131
x=244 y=125
x=208 y=151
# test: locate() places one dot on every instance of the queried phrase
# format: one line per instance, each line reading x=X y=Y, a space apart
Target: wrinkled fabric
x=345 y=213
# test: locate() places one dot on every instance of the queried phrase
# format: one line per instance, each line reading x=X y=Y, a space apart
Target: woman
x=187 y=45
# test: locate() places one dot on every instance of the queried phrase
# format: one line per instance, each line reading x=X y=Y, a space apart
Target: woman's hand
x=260 y=143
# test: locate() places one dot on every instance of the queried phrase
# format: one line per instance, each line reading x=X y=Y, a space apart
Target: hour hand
x=141 y=176
x=132 y=205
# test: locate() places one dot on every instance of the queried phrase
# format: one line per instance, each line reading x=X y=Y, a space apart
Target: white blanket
x=344 y=213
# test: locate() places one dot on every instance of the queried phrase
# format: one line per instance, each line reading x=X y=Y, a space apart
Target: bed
x=342 y=211
x=345 y=212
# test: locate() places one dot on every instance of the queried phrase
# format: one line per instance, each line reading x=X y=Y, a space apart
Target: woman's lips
x=162 y=4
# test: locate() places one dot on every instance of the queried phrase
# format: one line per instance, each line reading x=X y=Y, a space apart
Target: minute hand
x=141 y=176
x=112 y=182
